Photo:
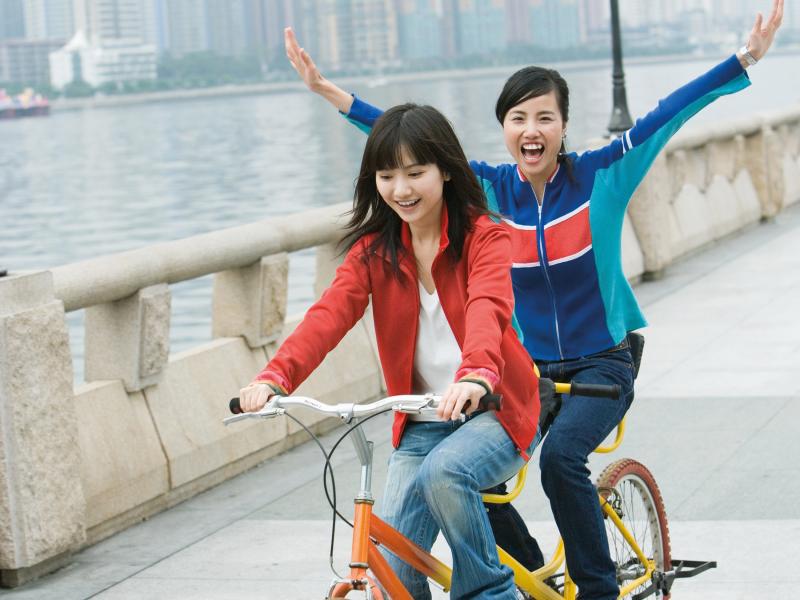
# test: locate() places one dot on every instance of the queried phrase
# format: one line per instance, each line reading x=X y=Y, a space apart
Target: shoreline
x=279 y=87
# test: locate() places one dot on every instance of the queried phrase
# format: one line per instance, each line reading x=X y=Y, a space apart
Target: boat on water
x=26 y=104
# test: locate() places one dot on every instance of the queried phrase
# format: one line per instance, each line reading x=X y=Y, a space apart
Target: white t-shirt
x=437 y=355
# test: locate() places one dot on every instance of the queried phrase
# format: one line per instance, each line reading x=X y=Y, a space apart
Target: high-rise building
x=356 y=33
x=113 y=44
x=102 y=20
x=419 y=28
x=26 y=61
x=481 y=26
x=227 y=28
x=267 y=19
x=517 y=22
x=555 y=23
x=48 y=19
x=12 y=19
x=185 y=28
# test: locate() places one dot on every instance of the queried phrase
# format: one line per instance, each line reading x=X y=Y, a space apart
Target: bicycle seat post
x=364 y=451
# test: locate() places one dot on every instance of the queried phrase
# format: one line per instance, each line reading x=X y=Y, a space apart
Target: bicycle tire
x=632 y=490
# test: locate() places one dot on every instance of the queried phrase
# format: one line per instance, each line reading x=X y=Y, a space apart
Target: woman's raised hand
x=302 y=62
x=311 y=76
x=763 y=34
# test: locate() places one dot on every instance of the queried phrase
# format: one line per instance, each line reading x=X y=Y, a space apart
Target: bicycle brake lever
x=264 y=413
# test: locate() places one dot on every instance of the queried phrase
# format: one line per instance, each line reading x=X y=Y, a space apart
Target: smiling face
x=533 y=130
x=414 y=191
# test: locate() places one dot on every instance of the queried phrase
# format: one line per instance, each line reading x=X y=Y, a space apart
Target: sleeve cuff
x=489 y=377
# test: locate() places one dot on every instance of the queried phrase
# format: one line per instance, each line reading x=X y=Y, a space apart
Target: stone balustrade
x=78 y=463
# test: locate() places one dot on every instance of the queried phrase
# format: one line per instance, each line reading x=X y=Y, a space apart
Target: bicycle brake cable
x=328 y=468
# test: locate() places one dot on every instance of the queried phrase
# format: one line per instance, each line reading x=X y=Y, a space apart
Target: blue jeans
x=580 y=427
x=434 y=483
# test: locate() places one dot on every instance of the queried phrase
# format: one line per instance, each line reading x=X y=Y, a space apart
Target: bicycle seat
x=636 y=345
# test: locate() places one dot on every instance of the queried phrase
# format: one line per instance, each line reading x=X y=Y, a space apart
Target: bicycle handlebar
x=408 y=403
x=597 y=390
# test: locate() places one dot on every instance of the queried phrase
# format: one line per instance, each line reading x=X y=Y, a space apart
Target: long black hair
x=424 y=134
x=531 y=82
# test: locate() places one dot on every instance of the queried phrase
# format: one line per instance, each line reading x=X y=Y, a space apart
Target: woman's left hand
x=763 y=34
x=456 y=397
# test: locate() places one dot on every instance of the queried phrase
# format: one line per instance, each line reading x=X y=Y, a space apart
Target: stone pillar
x=329 y=257
x=42 y=507
x=129 y=339
x=251 y=301
x=649 y=212
x=762 y=150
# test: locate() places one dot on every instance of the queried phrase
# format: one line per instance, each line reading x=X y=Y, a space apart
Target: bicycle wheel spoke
x=635 y=497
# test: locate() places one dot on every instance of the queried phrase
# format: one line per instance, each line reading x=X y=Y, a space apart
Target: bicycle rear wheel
x=632 y=491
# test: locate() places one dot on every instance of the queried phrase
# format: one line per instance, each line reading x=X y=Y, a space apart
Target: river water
x=85 y=183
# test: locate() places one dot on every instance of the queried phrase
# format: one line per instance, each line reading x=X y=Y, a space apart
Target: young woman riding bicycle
x=437 y=269
x=573 y=303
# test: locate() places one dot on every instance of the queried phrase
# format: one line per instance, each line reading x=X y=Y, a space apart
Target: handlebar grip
x=234 y=406
x=597 y=390
x=490 y=402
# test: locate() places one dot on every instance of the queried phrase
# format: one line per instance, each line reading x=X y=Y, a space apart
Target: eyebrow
x=546 y=111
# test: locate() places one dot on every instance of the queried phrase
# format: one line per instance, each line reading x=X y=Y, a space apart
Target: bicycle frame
x=369 y=531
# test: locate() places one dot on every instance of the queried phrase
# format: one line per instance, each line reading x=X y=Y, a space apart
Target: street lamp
x=620 y=117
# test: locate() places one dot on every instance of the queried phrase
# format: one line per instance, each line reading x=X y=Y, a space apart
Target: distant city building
x=113 y=44
x=356 y=33
x=419 y=29
x=185 y=29
x=26 y=61
x=227 y=30
x=555 y=23
x=266 y=20
x=481 y=26
x=117 y=61
x=12 y=19
x=131 y=20
x=48 y=19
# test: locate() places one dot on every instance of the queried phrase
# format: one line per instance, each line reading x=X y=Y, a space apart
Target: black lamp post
x=620 y=117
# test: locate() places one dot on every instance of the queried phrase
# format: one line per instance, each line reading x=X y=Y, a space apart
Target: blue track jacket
x=572 y=297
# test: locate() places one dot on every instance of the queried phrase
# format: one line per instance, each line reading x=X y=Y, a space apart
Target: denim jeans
x=433 y=483
x=580 y=427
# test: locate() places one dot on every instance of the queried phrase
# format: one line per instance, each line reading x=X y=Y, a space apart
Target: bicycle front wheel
x=631 y=490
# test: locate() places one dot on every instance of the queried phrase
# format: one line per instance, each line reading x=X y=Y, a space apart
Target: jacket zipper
x=543 y=261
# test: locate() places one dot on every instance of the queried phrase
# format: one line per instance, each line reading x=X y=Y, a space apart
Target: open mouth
x=408 y=203
x=532 y=152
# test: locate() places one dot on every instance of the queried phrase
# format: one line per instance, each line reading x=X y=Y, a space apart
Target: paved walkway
x=715 y=419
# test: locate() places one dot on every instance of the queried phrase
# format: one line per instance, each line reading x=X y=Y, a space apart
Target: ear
x=446 y=176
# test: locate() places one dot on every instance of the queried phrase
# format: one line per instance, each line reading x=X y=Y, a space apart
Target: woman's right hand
x=302 y=63
x=253 y=397
x=311 y=76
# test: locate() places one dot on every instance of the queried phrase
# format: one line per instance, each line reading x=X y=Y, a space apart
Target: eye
x=384 y=177
x=416 y=173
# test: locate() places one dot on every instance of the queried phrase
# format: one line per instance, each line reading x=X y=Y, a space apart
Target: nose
x=402 y=188
x=531 y=128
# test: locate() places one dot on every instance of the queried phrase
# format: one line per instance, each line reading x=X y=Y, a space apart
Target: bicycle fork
x=364 y=554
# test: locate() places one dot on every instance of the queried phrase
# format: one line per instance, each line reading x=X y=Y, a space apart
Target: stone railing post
x=762 y=151
x=129 y=339
x=251 y=301
x=649 y=211
x=42 y=506
x=328 y=259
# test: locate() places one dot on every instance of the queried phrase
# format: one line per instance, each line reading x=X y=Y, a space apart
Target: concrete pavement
x=718 y=400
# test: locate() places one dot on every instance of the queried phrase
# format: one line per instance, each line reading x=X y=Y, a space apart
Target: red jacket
x=476 y=298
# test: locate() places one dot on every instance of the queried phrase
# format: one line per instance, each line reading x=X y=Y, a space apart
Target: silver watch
x=748 y=58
